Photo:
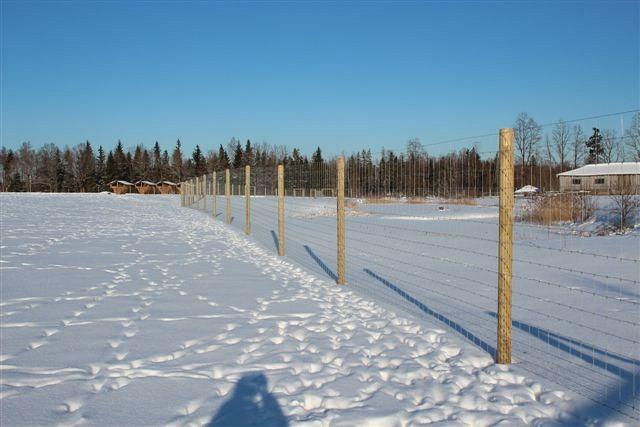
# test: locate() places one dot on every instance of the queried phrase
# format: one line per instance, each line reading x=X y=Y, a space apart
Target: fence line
x=424 y=237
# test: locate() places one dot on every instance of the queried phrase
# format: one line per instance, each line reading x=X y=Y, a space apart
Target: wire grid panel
x=422 y=237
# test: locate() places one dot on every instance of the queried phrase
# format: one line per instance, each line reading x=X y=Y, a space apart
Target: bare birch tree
x=527 y=136
x=577 y=146
x=561 y=136
x=610 y=146
x=632 y=137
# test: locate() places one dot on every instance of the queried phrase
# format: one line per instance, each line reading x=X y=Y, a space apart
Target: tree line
x=412 y=171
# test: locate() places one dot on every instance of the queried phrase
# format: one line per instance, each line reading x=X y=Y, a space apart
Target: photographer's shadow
x=251 y=404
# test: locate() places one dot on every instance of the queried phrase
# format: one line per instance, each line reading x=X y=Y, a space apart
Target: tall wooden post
x=247 y=200
x=227 y=192
x=505 y=245
x=214 y=193
x=204 y=192
x=200 y=191
x=341 y=222
x=281 y=210
x=196 y=190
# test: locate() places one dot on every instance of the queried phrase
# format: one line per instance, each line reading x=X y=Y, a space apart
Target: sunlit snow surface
x=127 y=310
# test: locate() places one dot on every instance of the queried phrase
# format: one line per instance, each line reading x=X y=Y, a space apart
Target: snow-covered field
x=576 y=300
x=132 y=311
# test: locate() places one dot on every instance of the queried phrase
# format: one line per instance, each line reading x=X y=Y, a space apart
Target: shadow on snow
x=425 y=309
x=321 y=263
x=251 y=404
x=627 y=388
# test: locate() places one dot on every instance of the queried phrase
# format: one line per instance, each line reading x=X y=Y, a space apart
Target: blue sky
x=345 y=76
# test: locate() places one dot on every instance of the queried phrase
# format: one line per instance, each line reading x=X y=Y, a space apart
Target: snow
x=626 y=168
x=119 y=181
x=153 y=184
x=171 y=317
x=575 y=307
x=527 y=189
x=167 y=183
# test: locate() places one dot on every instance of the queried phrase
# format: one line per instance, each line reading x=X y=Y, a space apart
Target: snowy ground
x=576 y=300
x=131 y=311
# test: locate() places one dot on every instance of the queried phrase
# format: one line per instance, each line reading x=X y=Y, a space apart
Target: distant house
x=145 y=187
x=603 y=178
x=167 y=187
x=120 y=187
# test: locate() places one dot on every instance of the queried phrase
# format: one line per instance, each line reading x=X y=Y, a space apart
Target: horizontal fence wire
x=422 y=239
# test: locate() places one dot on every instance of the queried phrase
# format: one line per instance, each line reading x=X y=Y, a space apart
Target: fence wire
x=422 y=234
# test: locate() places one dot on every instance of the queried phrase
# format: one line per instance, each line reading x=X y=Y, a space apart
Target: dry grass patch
x=558 y=208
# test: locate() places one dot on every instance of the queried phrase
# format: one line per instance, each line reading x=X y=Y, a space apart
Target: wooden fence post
x=196 y=190
x=505 y=245
x=214 y=193
x=340 y=221
x=227 y=192
x=247 y=200
x=204 y=192
x=281 y=210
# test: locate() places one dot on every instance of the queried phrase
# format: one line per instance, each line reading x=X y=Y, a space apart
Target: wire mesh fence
x=422 y=235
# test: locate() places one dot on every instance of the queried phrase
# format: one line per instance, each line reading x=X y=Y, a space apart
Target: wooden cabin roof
x=143 y=182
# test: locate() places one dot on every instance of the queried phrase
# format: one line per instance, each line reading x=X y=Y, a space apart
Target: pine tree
x=296 y=157
x=238 y=155
x=110 y=169
x=248 y=154
x=121 y=167
x=199 y=163
x=137 y=164
x=176 y=162
x=223 y=158
x=100 y=169
x=594 y=144
x=317 y=156
x=156 y=163
x=85 y=168
x=129 y=167
x=165 y=166
x=146 y=165
x=316 y=169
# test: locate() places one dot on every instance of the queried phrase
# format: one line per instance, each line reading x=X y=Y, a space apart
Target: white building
x=603 y=178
